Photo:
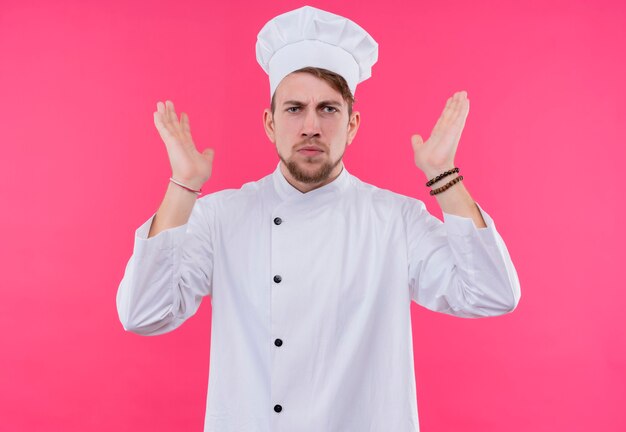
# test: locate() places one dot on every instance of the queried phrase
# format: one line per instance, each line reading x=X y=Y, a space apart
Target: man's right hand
x=188 y=165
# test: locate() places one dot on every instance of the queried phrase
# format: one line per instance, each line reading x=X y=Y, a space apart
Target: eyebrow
x=320 y=104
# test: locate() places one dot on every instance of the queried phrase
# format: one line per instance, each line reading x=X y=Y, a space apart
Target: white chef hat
x=312 y=37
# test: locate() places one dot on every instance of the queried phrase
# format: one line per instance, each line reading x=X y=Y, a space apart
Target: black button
x=277 y=221
x=278 y=408
x=277 y=278
x=278 y=342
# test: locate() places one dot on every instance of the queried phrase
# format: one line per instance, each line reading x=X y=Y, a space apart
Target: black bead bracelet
x=446 y=186
x=442 y=175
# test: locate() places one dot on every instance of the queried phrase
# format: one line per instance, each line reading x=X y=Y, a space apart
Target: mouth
x=310 y=150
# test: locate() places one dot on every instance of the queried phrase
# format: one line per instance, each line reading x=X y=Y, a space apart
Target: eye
x=329 y=109
x=292 y=109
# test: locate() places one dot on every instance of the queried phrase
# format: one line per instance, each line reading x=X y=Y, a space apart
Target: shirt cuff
x=166 y=239
x=463 y=226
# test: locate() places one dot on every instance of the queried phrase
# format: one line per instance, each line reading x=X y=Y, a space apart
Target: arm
x=461 y=267
x=436 y=155
x=168 y=274
x=457 y=268
x=188 y=166
x=171 y=265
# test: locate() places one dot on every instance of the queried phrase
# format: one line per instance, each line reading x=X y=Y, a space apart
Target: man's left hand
x=436 y=155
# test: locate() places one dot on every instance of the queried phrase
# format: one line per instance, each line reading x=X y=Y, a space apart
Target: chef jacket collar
x=287 y=192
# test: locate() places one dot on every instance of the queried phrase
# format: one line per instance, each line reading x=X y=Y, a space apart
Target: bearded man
x=310 y=271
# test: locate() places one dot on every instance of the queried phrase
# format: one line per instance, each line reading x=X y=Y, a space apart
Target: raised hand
x=437 y=153
x=188 y=165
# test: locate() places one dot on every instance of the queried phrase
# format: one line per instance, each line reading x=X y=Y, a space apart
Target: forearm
x=460 y=270
x=167 y=275
x=456 y=200
x=145 y=298
x=174 y=210
x=436 y=155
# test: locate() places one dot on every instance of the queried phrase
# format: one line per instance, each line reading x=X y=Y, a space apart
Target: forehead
x=304 y=86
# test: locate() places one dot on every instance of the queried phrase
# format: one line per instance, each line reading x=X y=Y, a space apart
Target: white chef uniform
x=311 y=295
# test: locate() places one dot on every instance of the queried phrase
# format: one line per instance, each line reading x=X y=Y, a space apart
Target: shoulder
x=380 y=198
x=238 y=199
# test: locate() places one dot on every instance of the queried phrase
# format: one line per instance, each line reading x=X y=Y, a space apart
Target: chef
x=310 y=271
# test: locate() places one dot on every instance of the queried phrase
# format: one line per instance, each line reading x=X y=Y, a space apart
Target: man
x=311 y=272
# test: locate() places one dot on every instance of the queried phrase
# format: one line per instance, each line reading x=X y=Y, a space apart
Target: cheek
x=337 y=132
x=333 y=128
x=286 y=128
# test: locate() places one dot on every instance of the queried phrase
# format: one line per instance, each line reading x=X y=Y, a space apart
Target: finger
x=416 y=141
x=461 y=98
x=162 y=128
x=184 y=122
x=163 y=121
x=457 y=106
x=449 y=108
x=448 y=105
x=458 y=121
x=173 y=124
x=463 y=112
x=171 y=113
x=157 y=120
x=163 y=109
x=451 y=112
x=185 y=127
x=454 y=106
x=208 y=154
x=462 y=104
x=159 y=113
x=444 y=118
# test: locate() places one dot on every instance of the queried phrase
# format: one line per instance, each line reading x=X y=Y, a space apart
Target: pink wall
x=82 y=166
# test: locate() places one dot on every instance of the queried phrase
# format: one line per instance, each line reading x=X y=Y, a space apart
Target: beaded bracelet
x=442 y=175
x=197 y=192
x=446 y=186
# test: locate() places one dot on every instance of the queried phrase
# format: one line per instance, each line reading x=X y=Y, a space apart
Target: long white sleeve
x=459 y=269
x=167 y=275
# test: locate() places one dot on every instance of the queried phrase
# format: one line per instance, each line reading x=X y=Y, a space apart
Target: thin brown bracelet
x=442 y=175
x=446 y=186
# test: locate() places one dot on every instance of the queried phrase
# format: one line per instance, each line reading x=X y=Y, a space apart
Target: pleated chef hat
x=312 y=37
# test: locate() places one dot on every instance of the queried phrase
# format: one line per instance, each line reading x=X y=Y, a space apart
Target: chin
x=311 y=174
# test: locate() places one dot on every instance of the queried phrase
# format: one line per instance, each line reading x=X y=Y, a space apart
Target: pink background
x=82 y=167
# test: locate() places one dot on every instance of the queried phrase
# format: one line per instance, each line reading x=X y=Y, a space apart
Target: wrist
x=432 y=172
x=189 y=179
x=185 y=186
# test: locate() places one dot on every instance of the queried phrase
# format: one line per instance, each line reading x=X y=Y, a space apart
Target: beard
x=319 y=175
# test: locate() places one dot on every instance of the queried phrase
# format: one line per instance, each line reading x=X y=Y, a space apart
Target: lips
x=310 y=150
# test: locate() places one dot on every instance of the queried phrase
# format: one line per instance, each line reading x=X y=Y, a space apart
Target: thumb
x=416 y=141
x=208 y=154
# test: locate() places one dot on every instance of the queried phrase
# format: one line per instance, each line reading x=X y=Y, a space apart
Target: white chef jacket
x=311 y=295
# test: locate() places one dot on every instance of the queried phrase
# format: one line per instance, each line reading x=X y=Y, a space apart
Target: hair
x=335 y=80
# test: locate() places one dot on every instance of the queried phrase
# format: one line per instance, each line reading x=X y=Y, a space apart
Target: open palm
x=188 y=165
x=437 y=153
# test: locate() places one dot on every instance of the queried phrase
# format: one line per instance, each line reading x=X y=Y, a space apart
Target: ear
x=268 y=124
x=353 y=125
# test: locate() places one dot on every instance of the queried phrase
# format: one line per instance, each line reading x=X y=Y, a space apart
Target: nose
x=311 y=125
